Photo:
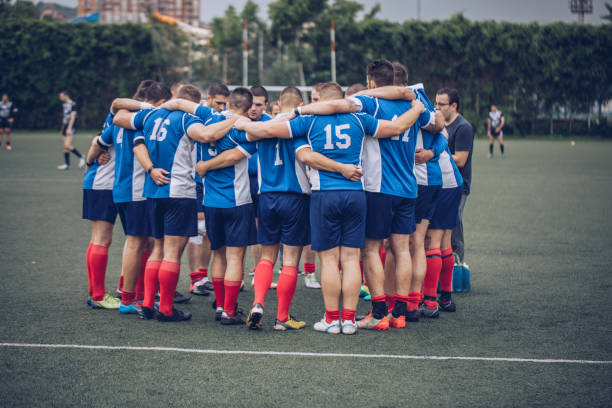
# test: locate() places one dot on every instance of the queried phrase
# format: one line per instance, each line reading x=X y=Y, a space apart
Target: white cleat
x=348 y=327
x=63 y=167
x=310 y=281
x=81 y=163
x=329 y=328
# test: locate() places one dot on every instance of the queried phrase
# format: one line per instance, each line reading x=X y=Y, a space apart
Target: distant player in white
x=495 y=126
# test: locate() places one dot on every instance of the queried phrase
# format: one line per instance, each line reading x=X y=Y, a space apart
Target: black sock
x=379 y=310
x=501 y=147
x=76 y=153
x=445 y=296
x=8 y=143
x=67 y=158
x=399 y=309
x=490 y=149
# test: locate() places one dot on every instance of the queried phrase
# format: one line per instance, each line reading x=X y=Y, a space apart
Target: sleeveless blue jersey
x=388 y=164
x=170 y=148
x=98 y=177
x=339 y=137
x=227 y=187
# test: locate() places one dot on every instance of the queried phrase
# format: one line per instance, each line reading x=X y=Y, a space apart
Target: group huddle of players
x=349 y=175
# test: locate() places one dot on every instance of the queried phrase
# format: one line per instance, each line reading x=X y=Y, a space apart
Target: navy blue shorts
x=133 y=215
x=4 y=123
x=446 y=215
x=337 y=218
x=254 y=186
x=172 y=216
x=283 y=217
x=98 y=205
x=426 y=202
x=199 y=197
x=234 y=227
x=388 y=214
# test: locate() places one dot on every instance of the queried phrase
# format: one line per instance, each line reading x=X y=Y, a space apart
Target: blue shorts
x=446 y=215
x=283 y=217
x=426 y=202
x=254 y=186
x=172 y=216
x=133 y=215
x=389 y=214
x=199 y=197
x=234 y=227
x=98 y=205
x=337 y=218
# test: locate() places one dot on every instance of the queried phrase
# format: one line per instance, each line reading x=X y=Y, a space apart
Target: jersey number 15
x=345 y=140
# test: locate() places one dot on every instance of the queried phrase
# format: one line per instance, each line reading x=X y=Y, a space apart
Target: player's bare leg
x=406 y=302
x=331 y=287
x=375 y=275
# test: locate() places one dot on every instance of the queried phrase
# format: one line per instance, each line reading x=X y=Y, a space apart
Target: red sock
x=390 y=302
x=285 y=291
x=98 y=258
x=168 y=278
x=140 y=282
x=204 y=272
x=413 y=300
x=446 y=274
x=309 y=268
x=383 y=254
x=151 y=280
x=361 y=269
x=331 y=315
x=196 y=276
x=263 y=279
x=232 y=289
x=434 y=266
x=120 y=283
x=127 y=298
x=89 y=271
x=219 y=289
x=348 y=314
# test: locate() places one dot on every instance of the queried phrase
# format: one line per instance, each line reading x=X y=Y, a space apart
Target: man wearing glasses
x=460 y=143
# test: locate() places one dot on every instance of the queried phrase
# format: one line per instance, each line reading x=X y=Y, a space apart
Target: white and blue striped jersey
x=129 y=174
x=170 y=148
x=388 y=164
x=101 y=177
x=254 y=159
x=339 y=137
x=227 y=187
x=429 y=174
x=204 y=113
x=278 y=169
x=451 y=176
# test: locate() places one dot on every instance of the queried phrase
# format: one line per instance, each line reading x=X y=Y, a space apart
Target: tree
x=609 y=15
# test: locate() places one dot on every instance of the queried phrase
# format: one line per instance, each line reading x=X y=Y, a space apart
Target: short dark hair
x=331 y=90
x=259 y=90
x=291 y=96
x=158 y=91
x=218 y=89
x=189 y=92
x=400 y=74
x=241 y=99
x=453 y=96
x=381 y=71
x=141 y=93
x=177 y=85
x=353 y=89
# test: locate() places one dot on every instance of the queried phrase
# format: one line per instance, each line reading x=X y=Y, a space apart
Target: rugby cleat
x=349 y=327
x=9 y=147
x=237 y=318
x=255 y=315
x=146 y=313
x=429 y=312
x=397 y=322
x=81 y=163
x=63 y=167
x=290 y=324
x=218 y=313
x=447 y=305
x=107 y=302
x=206 y=283
x=329 y=328
x=180 y=298
x=412 y=315
x=364 y=291
x=371 y=323
x=134 y=308
x=176 y=316
x=199 y=290
x=310 y=281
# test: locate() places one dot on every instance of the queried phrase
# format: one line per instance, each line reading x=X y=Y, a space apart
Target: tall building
x=119 y=11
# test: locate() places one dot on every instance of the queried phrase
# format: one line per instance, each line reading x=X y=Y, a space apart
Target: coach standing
x=461 y=144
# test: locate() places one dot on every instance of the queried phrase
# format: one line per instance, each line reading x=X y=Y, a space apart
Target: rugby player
x=7 y=112
x=69 y=116
x=495 y=126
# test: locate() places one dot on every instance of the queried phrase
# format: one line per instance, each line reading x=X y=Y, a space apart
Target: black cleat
x=237 y=318
x=200 y=291
x=428 y=312
x=254 y=319
x=180 y=298
x=176 y=316
x=412 y=315
x=447 y=305
x=146 y=313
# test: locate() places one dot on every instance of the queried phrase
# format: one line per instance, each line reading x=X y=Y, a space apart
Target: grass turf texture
x=537 y=233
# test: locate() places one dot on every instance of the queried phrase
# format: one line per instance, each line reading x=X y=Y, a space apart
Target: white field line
x=302 y=354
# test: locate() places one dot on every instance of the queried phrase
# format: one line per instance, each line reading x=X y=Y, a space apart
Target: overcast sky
x=521 y=11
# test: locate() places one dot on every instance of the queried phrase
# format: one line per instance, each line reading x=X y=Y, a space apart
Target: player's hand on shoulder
x=418 y=105
x=351 y=172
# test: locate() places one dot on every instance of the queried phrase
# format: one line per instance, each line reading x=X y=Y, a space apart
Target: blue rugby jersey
x=170 y=148
x=129 y=174
x=253 y=160
x=339 y=137
x=429 y=173
x=227 y=187
x=101 y=177
x=388 y=164
x=451 y=176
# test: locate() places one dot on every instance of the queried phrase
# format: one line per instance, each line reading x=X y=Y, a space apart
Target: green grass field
x=539 y=246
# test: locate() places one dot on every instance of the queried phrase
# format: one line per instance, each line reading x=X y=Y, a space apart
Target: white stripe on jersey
x=138 y=180
x=420 y=170
x=242 y=186
x=372 y=164
x=448 y=173
x=300 y=172
x=105 y=175
x=182 y=184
